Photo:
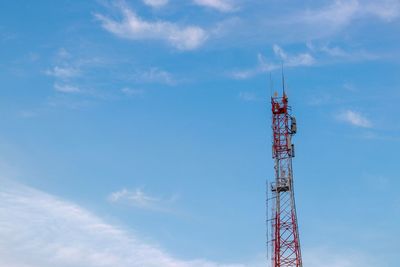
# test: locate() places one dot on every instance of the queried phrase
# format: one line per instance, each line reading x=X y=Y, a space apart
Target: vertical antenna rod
x=285 y=242
x=283 y=81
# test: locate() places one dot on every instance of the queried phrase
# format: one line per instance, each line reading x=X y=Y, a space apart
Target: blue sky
x=137 y=133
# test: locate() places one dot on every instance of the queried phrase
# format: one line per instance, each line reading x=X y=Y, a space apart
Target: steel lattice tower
x=284 y=239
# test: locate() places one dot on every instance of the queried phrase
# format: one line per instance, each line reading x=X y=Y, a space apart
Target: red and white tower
x=284 y=240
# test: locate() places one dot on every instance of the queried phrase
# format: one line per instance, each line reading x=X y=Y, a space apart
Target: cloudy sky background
x=137 y=133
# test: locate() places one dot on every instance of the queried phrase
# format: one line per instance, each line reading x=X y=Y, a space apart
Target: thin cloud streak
x=302 y=24
x=142 y=200
x=66 y=88
x=303 y=59
x=339 y=54
x=332 y=18
x=264 y=66
x=63 y=72
x=156 y=3
x=354 y=118
x=135 y=28
x=155 y=75
x=220 y=5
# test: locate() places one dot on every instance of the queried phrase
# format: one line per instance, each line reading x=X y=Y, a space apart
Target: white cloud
x=336 y=15
x=138 y=198
x=156 y=3
x=50 y=232
x=387 y=10
x=338 y=54
x=302 y=59
x=155 y=75
x=262 y=67
x=244 y=74
x=221 y=5
x=66 y=88
x=329 y=19
x=350 y=87
x=334 y=51
x=298 y=24
x=135 y=28
x=63 y=53
x=354 y=118
x=63 y=72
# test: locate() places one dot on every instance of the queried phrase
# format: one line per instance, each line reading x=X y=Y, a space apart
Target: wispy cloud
x=49 y=232
x=350 y=87
x=63 y=72
x=71 y=74
x=334 y=16
x=388 y=10
x=156 y=3
x=302 y=59
x=135 y=28
x=339 y=54
x=341 y=13
x=334 y=51
x=66 y=88
x=264 y=66
x=142 y=200
x=354 y=118
x=63 y=53
x=323 y=20
x=314 y=55
x=155 y=75
x=220 y=5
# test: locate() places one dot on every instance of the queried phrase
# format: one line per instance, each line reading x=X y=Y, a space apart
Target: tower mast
x=284 y=241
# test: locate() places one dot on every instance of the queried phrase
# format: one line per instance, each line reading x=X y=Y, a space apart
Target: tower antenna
x=284 y=241
x=283 y=81
x=271 y=84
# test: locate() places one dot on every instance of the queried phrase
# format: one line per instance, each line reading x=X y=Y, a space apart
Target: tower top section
x=280 y=104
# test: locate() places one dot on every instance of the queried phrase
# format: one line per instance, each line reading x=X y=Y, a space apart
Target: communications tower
x=284 y=239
